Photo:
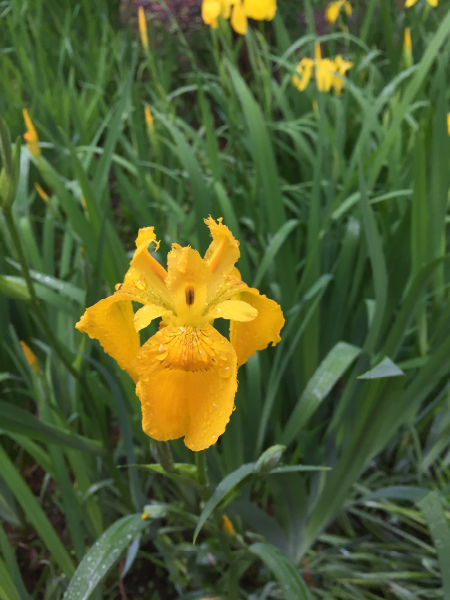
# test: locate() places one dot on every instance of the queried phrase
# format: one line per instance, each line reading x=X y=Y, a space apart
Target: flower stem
x=202 y=475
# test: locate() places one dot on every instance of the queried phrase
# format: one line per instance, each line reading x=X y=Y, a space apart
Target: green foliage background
x=342 y=215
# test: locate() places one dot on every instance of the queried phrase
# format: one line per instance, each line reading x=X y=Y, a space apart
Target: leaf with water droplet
x=101 y=557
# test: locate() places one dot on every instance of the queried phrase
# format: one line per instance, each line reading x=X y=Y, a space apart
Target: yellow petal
x=433 y=3
x=187 y=383
x=145 y=274
x=348 y=8
x=221 y=255
x=304 y=70
x=325 y=71
x=247 y=338
x=211 y=9
x=234 y=310
x=111 y=322
x=187 y=280
x=145 y=315
x=448 y=123
x=271 y=10
x=260 y=9
x=239 y=19
x=332 y=12
x=410 y=3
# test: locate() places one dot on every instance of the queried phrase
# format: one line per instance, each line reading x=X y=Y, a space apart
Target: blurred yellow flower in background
x=227 y=526
x=238 y=11
x=409 y=3
x=448 y=123
x=304 y=70
x=334 y=8
x=31 y=136
x=185 y=374
x=328 y=73
x=30 y=356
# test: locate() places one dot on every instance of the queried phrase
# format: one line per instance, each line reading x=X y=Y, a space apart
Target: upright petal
x=221 y=255
x=187 y=383
x=325 y=74
x=187 y=283
x=145 y=274
x=111 y=322
x=248 y=337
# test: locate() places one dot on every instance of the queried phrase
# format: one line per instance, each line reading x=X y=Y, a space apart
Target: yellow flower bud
x=148 y=117
x=41 y=192
x=31 y=136
x=143 y=28
x=30 y=356
x=227 y=526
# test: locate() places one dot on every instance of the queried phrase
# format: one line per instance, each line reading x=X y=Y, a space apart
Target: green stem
x=202 y=475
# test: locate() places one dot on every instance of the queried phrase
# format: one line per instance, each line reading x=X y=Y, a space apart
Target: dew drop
x=140 y=285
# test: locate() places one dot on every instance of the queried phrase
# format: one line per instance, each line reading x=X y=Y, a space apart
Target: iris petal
x=234 y=310
x=111 y=322
x=187 y=383
x=247 y=338
x=222 y=253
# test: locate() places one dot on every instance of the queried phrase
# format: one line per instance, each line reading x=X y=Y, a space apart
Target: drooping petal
x=259 y=9
x=332 y=11
x=221 y=255
x=239 y=19
x=187 y=383
x=187 y=281
x=111 y=322
x=211 y=9
x=247 y=338
x=234 y=310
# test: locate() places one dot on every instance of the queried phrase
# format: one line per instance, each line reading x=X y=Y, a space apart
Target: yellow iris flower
x=329 y=73
x=238 y=11
x=31 y=136
x=409 y=3
x=186 y=374
x=334 y=8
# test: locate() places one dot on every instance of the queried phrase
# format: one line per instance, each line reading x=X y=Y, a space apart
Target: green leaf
x=185 y=474
x=8 y=590
x=226 y=486
x=386 y=368
x=35 y=515
x=103 y=554
x=292 y=584
x=13 y=287
x=272 y=249
x=16 y=420
x=330 y=370
x=431 y=507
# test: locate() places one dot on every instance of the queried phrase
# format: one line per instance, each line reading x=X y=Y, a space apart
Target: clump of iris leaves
x=340 y=205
